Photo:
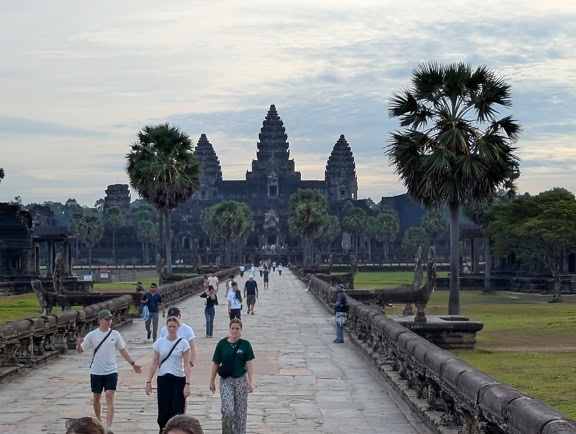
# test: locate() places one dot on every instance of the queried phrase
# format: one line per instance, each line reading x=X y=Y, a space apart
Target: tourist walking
x=234 y=302
x=251 y=294
x=274 y=266
x=171 y=358
x=261 y=269
x=232 y=361
x=184 y=331
x=242 y=268
x=213 y=282
x=153 y=301
x=252 y=270
x=210 y=311
x=279 y=269
x=103 y=369
x=266 y=277
x=341 y=315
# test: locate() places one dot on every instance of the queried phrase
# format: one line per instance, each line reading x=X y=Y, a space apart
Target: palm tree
x=90 y=233
x=308 y=216
x=386 y=226
x=435 y=224
x=1 y=174
x=356 y=223
x=453 y=149
x=414 y=237
x=163 y=169
x=229 y=221
x=147 y=233
x=330 y=232
x=113 y=220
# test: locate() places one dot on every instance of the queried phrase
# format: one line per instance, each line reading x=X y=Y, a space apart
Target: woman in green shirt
x=233 y=362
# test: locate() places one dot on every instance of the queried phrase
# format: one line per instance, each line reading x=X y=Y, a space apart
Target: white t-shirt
x=234 y=303
x=184 y=331
x=213 y=281
x=175 y=363
x=105 y=359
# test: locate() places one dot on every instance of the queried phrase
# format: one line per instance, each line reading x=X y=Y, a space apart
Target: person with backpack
x=171 y=359
x=103 y=369
x=232 y=361
x=341 y=314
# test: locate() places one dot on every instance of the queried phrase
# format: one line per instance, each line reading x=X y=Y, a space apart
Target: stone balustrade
x=448 y=394
x=27 y=342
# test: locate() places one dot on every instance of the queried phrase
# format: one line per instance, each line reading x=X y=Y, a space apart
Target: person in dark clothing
x=153 y=300
x=251 y=294
x=340 y=312
x=210 y=311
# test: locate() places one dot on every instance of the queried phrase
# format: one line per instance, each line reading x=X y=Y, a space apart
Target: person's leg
x=147 y=324
x=109 y=408
x=240 y=404
x=155 y=326
x=164 y=400
x=178 y=400
x=207 y=315
x=227 y=405
x=339 y=333
x=211 y=321
x=97 y=406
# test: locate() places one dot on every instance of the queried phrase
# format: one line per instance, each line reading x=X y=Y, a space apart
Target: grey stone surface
x=303 y=382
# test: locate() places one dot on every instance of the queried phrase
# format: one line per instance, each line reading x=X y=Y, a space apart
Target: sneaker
x=109 y=431
x=149 y=333
x=253 y=313
x=336 y=341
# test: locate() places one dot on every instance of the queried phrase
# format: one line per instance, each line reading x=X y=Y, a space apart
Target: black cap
x=174 y=311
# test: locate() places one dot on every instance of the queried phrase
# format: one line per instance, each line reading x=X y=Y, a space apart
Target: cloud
x=11 y=126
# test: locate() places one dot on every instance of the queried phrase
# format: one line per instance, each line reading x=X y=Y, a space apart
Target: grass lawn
x=526 y=342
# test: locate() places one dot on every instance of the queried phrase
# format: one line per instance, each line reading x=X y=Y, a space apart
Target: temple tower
x=273 y=173
x=211 y=170
x=118 y=195
x=340 y=175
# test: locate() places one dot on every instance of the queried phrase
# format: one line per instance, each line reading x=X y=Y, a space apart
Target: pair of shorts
x=103 y=382
x=251 y=300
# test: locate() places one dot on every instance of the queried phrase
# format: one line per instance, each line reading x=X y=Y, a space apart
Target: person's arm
x=192 y=351
x=256 y=291
x=245 y=289
x=137 y=368
x=250 y=370
x=186 y=357
x=153 y=367
x=79 y=344
x=213 y=377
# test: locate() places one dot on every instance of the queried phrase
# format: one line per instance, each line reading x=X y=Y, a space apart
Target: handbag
x=226 y=369
x=341 y=319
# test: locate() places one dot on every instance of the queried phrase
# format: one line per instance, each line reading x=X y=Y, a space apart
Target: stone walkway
x=303 y=382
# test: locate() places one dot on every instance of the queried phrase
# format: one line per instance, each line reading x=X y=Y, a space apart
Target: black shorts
x=103 y=382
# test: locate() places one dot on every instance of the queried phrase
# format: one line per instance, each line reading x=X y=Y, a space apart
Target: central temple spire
x=272 y=140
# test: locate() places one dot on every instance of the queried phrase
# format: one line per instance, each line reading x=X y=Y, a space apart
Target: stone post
x=51 y=257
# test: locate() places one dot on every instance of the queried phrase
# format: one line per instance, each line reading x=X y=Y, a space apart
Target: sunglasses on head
x=83 y=421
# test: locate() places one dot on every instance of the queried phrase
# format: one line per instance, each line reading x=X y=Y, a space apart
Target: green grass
x=527 y=342
x=15 y=307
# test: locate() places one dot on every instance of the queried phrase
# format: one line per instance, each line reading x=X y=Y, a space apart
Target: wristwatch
x=133 y=362
x=191 y=363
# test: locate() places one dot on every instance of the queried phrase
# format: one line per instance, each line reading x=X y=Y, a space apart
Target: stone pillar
x=51 y=258
x=37 y=259
x=475 y=253
x=67 y=258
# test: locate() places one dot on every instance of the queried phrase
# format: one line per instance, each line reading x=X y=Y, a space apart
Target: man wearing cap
x=341 y=314
x=103 y=369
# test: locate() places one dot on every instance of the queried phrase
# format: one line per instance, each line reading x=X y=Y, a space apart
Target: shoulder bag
x=98 y=347
x=169 y=354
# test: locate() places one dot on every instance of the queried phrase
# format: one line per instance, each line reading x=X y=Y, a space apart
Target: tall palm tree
x=356 y=223
x=163 y=169
x=453 y=148
x=229 y=221
x=308 y=216
x=386 y=226
x=1 y=174
x=435 y=224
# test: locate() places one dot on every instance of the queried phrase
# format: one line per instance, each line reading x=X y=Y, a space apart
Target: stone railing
x=27 y=342
x=448 y=394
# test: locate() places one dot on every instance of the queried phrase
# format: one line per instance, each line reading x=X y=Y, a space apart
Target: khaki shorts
x=251 y=300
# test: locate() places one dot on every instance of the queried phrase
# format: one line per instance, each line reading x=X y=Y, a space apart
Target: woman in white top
x=234 y=298
x=172 y=360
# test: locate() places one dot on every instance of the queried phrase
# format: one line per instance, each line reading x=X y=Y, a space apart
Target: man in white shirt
x=213 y=282
x=103 y=369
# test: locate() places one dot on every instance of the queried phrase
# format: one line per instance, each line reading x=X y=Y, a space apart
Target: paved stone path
x=303 y=382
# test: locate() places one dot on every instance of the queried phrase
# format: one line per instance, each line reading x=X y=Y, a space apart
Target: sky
x=78 y=80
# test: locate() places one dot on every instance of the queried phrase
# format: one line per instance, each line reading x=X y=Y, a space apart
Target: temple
x=273 y=178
